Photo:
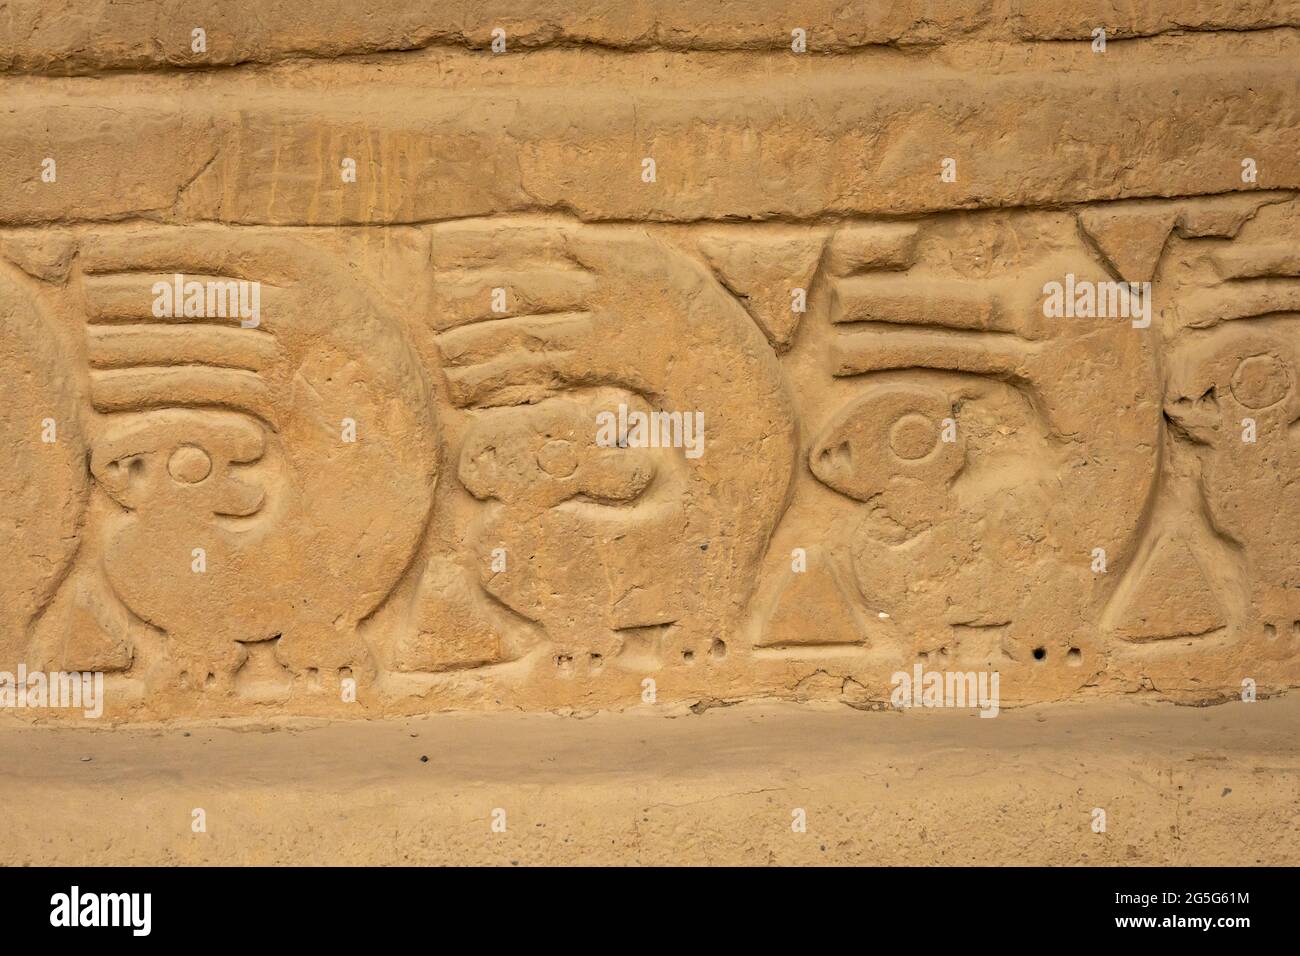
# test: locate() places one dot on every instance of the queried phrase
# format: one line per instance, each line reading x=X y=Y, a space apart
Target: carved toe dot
x=189 y=465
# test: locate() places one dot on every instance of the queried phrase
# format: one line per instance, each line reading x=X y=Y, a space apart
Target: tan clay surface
x=1177 y=786
x=502 y=357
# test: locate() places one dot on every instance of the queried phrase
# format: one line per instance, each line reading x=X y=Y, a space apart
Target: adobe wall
x=353 y=367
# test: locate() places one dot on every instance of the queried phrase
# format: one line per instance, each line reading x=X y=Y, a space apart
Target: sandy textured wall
x=501 y=356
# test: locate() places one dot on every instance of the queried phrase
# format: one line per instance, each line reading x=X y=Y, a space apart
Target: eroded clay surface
x=353 y=366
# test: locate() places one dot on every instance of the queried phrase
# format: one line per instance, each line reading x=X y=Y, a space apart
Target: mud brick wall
x=364 y=359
